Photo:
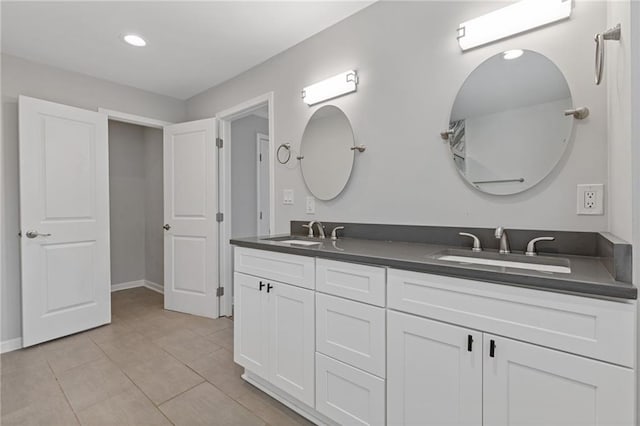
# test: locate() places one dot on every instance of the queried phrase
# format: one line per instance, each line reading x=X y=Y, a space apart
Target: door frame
x=260 y=138
x=225 y=118
x=125 y=117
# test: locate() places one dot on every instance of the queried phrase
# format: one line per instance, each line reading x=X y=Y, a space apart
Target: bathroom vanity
x=355 y=331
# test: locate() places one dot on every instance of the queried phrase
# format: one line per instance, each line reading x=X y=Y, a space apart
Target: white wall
x=28 y=78
x=411 y=68
x=244 y=195
x=127 y=188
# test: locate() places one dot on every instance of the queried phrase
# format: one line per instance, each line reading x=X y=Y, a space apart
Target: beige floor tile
x=219 y=369
x=223 y=338
x=162 y=378
x=130 y=407
x=206 y=405
x=132 y=348
x=22 y=359
x=53 y=411
x=24 y=388
x=270 y=410
x=93 y=382
x=206 y=326
x=64 y=354
x=109 y=332
x=186 y=345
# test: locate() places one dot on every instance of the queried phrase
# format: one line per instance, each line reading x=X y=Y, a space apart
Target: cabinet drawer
x=351 y=280
x=347 y=395
x=600 y=329
x=351 y=332
x=286 y=268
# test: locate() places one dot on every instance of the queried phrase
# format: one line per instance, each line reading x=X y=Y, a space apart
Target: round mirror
x=508 y=129
x=326 y=151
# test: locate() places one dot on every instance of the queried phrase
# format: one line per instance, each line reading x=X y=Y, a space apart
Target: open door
x=264 y=199
x=64 y=214
x=190 y=207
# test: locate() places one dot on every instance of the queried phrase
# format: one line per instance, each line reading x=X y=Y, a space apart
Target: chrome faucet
x=501 y=234
x=320 y=228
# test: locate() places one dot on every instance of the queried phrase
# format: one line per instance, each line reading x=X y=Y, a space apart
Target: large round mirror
x=508 y=129
x=326 y=151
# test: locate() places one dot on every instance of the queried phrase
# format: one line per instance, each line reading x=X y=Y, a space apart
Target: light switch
x=287 y=196
x=311 y=205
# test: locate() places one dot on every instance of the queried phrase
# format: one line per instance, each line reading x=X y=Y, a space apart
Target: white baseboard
x=127 y=285
x=154 y=286
x=11 y=345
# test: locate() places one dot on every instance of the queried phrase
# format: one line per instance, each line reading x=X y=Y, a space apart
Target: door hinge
x=219 y=217
x=219 y=142
x=220 y=291
x=260 y=157
x=260 y=215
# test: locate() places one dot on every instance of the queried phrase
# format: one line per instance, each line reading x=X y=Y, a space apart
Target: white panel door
x=434 y=374
x=264 y=197
x=525 y=384
x=250 y=325
x=292 y=340
x=64 y=213
x=190 y=207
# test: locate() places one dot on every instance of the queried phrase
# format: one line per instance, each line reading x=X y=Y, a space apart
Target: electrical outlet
x=287 y=196
x=590 y=199
x=311 y=205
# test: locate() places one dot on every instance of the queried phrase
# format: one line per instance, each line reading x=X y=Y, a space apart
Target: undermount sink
x=292 y=241
x=516 y=261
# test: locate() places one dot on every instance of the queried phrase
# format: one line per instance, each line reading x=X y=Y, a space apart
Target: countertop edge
x=624 y=291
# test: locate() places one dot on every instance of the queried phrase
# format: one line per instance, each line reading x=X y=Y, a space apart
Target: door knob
x=167 y=227
x=34 y=234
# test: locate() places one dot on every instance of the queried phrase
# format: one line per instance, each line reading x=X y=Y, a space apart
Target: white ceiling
x=191 y=45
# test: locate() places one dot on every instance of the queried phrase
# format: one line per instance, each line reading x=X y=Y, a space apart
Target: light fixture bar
x=332 y=87
x=513 y=19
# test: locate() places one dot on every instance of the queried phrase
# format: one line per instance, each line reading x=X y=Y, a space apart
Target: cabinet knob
x=261 y=286
x=269 y=287
x=492 y=348
x=470 y=343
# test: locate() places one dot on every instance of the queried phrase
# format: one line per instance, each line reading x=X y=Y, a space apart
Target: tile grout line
x=64 y=394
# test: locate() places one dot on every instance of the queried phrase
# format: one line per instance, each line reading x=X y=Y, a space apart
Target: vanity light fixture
x=134 y=40
x=513 y=19
x=338 y=85
x=512 y=54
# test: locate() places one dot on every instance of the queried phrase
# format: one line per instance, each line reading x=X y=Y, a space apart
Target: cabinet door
x=526 y=384
x=292 y=340
x=434 y=374
x=250 y=324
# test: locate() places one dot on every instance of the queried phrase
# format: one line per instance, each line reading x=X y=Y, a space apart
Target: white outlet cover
x=287 y=196
x=597 y=204
x=311 y=205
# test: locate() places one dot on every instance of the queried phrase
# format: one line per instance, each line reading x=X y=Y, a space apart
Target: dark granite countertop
x=588 y=277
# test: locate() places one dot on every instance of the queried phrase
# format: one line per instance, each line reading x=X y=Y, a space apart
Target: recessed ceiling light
x=512 y=54
x=135 y=40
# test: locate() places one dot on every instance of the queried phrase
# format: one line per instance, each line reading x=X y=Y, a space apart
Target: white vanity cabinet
x=435 y=375
x=274 y=322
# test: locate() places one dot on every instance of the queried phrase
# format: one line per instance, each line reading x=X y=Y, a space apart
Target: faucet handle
x=476 y=241
x=334 y=233
x=531 y=247
x=310 y=227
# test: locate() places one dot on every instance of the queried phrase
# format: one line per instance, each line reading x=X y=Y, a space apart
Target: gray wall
x=154 y=206
x=410 y=70
x=127 y=187
x=244 y=202
x=28 y=78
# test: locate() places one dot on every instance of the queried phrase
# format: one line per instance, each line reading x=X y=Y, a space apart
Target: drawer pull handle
x=269 y=287
x=492 y=348
x=261 y=285
x=470 y=343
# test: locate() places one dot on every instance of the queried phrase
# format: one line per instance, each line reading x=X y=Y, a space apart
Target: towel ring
x=286 y=146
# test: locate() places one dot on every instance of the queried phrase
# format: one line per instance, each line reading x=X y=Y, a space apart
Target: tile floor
x=148 y=367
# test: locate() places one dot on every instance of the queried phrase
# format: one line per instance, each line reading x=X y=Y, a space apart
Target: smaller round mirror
x=508 y=128
x=327 y=152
